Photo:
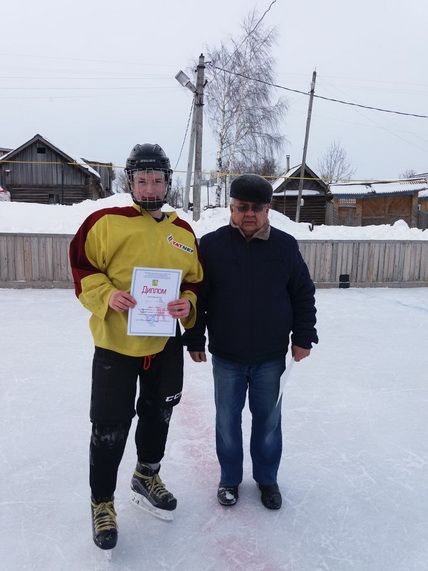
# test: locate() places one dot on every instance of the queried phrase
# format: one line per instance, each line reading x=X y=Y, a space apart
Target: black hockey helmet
x=148 y=157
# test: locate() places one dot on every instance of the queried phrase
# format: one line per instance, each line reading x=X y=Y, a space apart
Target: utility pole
x=190 y=164
x=195 y=146
x=305 y=146
x=198 y=110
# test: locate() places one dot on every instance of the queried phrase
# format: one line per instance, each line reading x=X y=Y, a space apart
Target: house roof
x=294 y=172
x=379 y=188
x=68 y=157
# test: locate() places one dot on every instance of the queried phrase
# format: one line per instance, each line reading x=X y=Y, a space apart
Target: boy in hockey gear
x=103 y=253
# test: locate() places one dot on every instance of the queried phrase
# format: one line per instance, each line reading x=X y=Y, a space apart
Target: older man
x=257 y=292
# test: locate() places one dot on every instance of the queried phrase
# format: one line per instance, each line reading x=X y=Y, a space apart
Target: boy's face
x=149 y=184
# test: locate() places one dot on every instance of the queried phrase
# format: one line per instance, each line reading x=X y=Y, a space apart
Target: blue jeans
x=230 y=386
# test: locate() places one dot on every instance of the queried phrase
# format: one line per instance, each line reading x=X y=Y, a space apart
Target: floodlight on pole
x=185 y=81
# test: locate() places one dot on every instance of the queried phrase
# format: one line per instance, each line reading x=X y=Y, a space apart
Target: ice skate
x=150 y=494
x=104 y=525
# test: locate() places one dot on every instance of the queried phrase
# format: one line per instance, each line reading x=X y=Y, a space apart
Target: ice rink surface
x=354 y=472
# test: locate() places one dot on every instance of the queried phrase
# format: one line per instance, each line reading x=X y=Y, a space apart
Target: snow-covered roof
x=423 y=194
x=295 y=192
x=365 y=189
x=79 y=162
x=292 y=173
x=277 y=183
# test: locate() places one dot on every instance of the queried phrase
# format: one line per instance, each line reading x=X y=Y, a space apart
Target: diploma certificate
x=153 y=288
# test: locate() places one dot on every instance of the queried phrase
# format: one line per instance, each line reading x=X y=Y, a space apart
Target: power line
x=247 y=35
x=415 y=180
x=251 y=31
x=319 y=96
x=185 y=134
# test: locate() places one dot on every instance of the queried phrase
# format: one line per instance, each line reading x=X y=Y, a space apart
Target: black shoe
x=271 y=496
x=104 y=525
x=227 y=495
x=148 y=484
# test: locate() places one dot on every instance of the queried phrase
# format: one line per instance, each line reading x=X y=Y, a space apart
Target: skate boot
x=149 y=492
x=104 y=526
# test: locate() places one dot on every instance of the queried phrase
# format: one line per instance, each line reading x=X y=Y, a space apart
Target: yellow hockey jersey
x=103 y=254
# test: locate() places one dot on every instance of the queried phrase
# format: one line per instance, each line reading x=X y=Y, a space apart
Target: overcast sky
x=96 y=77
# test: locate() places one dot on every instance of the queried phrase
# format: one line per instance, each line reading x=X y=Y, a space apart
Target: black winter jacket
x=255 y=294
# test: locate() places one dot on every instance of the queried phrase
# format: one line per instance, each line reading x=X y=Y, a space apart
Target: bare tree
x=175 y=195
x=267 y=167
x=241 y=111
x=334 y=165
x=120 y=181
x=408 y=173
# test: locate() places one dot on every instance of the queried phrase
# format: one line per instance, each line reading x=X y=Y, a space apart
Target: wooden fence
x=41 y=261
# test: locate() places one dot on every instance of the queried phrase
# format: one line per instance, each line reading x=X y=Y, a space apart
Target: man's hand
x=198 y=356
x=179 y=308
x=121 y=301
x=299 y=353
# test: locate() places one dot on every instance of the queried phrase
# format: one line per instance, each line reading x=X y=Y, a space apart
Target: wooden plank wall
x=34 y=260
x=41 y=261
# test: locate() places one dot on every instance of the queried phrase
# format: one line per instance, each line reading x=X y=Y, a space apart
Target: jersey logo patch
x=179 y=245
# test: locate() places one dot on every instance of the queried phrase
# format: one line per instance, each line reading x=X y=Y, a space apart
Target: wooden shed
x=38 y=171
x=366 y=203
x=314 y=195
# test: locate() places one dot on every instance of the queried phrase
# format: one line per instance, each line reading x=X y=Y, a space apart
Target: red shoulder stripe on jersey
x=80 y=265
x=183 y=224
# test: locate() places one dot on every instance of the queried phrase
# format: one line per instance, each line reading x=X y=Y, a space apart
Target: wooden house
x=423 y=200
x=38 y=171
x=366 y=203
x=4 y=151
x=106 y=172
x=315 y=195
x=423 y=208
x=423 y=194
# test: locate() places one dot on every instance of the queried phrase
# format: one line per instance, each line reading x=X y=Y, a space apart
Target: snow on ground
x=57 y=219
x=354 y=469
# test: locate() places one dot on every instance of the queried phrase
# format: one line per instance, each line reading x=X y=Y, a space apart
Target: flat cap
x=252 y=188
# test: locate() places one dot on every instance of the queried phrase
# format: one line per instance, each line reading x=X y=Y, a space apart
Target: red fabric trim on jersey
x=186 y=226
x=80 y=265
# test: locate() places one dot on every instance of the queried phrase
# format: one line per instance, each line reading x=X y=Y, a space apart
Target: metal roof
x=379 y=188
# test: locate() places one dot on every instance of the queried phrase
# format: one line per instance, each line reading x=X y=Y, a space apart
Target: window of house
x=41 y=150
x=348 y=202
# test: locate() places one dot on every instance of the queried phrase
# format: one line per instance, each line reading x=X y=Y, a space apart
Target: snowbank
x=22 y=217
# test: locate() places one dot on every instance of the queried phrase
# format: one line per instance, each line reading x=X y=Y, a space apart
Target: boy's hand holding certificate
x=153 y=289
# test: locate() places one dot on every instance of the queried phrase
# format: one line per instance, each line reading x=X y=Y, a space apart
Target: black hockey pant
x=114 y=385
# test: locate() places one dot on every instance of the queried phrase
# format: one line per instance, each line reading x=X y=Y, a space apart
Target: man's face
x=249 y=216
x=149 y=184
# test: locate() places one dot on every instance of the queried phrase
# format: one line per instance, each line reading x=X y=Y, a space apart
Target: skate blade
x=145 y=505
x=108 y=554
